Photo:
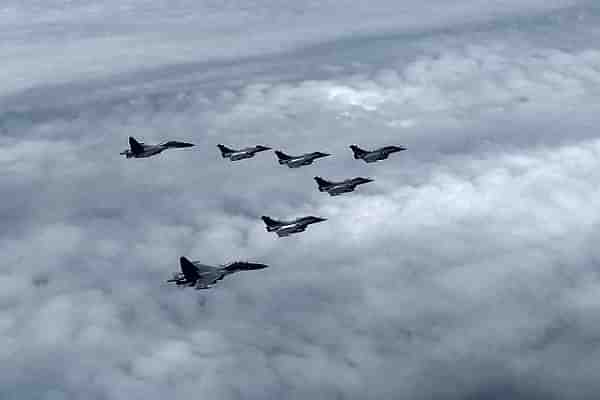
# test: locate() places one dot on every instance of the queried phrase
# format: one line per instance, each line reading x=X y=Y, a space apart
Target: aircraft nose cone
x=252 y=266
x=177 y=145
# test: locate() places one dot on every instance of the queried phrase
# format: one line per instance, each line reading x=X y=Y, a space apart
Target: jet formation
x=247 y=152
x=337 y=188
x=141 y=150
x=202 y=276
x=286 y=228
x=375 y=155
x=299 y=161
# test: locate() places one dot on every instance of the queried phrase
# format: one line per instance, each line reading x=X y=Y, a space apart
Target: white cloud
x=466 y=270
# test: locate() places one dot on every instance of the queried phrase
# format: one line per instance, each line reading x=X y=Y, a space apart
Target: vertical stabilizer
x=136 y=147
x=225 y=151
x=282 y=157
x=323 y=184
x=270 y=223
x=188 y=269
x=358 y=152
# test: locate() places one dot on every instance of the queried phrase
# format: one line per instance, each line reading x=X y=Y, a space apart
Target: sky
x=467 y=270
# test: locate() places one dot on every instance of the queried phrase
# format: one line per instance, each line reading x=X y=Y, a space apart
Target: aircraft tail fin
x=185 y=263
x=225 y=151
x=270 y=222
x=282 y=157
x=358 y=152
x=189 y=270
x=323 y=184
x=136 y=147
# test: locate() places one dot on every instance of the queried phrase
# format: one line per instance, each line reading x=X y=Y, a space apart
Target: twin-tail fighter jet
x=141 y=150
x=375 y=155
x=201 y=276
x=337 y=188
x=298 y=161
x=235 y=155
x=286 y=228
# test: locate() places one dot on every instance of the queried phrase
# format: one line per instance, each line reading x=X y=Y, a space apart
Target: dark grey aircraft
x=140 y=149
x=337 y=188
x=235 y=155
x=375 y=155
x=298 y=161
x=286 y=228
x=201 y=276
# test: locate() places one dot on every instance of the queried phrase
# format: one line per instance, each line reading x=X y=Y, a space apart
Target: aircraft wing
x=207 y=279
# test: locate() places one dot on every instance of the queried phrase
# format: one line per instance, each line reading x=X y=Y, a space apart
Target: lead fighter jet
x=298 y=161
x=201 y=276
x=235 y=155
x=141 y=150
x=375 y=155
x=286 y=228
x=337 y=188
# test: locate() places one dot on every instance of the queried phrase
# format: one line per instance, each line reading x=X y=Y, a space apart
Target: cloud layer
x=467 y=270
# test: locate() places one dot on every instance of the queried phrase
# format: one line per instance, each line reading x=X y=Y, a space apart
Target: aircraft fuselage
x=305 y=159
x=149 y=151
x=380 y=154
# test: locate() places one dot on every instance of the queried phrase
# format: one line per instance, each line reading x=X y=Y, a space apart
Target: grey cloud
x=467 y=270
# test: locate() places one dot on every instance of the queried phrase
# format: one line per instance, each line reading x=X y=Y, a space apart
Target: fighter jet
x=337 y=188
x=298 y=161
x=286 y=228
x=375 y=155
x=201 y=276
x=142 y=150
x=235 y=155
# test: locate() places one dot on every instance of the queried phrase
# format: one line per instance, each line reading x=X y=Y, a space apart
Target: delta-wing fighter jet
x=375 y=155
x=247 y=152
x=286 y=228
x=298 y=161
x=141 y=150
x=201 y=276
x=337 y=188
